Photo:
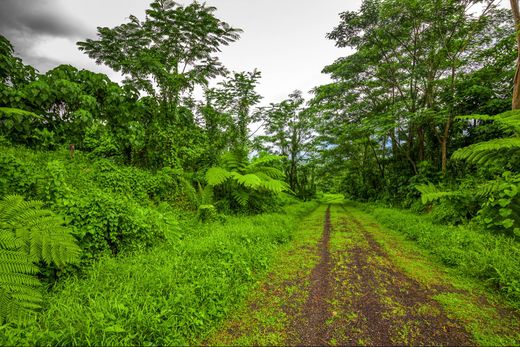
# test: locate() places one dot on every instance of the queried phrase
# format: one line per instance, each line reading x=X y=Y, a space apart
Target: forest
x=174 y=208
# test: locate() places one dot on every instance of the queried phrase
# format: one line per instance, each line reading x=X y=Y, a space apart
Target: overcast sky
x=284 y=39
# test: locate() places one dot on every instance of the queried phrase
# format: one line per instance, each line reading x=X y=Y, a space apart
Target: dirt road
x=338 y=285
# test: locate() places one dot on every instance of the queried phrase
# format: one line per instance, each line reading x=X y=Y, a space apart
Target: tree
x=289 y=133
x=12 y=71
x=234 y=99
x=172 y=50
x=416 y=66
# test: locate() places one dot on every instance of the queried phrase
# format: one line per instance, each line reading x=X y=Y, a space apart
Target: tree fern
x=509 y=120
x=248 y=180
x=243 y=178
x=485 y=152
x=241 y=196
x=28 y=234
x=216 y=176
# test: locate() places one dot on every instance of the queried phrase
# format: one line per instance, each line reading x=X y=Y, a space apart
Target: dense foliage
x=392 y=117
x=149 y=212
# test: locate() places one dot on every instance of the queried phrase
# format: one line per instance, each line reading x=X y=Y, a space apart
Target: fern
x=28 y=234
x=216 y=176
x=275 y=186
x=430 y=193
x=246 y=177
x=484 y=153
x=241 y=196
x=249 y=180
x=509 y=120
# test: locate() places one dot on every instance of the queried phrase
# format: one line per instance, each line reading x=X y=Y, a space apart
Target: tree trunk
x=420 y=135
x=444 y=145
x=516 y=89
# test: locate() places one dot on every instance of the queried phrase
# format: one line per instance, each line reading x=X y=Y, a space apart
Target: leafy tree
x=12 y=70
x=172 y=50
x=416 y=67
x=233 y=100
x=289 y=133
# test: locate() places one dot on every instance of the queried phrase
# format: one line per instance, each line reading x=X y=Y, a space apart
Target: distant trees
x=289 y=128
x=417 y=66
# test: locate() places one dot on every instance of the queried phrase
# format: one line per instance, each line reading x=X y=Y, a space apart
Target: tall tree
x=516 y=89
x=235 y=97
x=289 y=128
x=170 y=51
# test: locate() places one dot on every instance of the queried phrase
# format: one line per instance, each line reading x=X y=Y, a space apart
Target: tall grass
x=173 y=294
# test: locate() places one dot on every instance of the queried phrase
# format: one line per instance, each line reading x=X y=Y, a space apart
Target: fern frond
x=232 y=162
x=430 y=193
x=509 y=120
x=28 y=234
x=250 y=180
x=486 y=189
x=217 y=175
x=484 y=152
x=240 y=196
x=266 y=159
x=275 y=186
x=270 y=172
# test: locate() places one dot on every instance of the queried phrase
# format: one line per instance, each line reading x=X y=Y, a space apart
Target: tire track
x=312 y=329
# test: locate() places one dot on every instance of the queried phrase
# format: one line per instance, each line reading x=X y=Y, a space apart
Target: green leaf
x=217 y=175
x=508 y=223
x=504 y=202
x=505 y=212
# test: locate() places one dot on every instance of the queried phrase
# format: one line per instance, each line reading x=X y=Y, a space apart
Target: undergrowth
x=172 y=294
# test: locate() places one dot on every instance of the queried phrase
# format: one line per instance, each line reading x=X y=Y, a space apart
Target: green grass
x=172 y=294
x=489 y=258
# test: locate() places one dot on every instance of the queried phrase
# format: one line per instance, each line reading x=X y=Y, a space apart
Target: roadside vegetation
x=135 y=213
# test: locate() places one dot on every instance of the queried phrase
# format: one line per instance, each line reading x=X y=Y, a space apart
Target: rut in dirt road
x=312 y=330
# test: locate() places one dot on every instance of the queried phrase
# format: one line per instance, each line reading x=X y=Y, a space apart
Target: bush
x=109 y=207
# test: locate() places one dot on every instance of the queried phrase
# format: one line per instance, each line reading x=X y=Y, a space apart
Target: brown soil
x=311 y=329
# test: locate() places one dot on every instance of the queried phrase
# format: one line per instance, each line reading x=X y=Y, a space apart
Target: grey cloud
x=38 y=18
x=26 y=23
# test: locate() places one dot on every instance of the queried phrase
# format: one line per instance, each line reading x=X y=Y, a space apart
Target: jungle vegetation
x=422 y=116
